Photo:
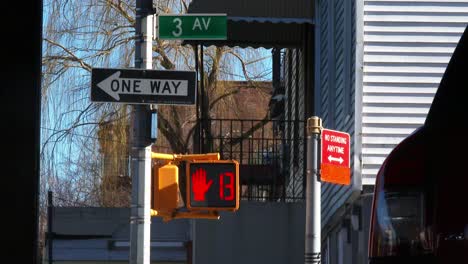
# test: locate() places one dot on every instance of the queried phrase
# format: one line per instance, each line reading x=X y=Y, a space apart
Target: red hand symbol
x=199 y=184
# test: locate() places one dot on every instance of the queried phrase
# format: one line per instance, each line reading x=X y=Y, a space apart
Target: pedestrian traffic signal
x=212 y=185
x=194 y=186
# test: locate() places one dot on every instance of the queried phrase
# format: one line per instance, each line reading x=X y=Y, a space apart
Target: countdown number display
x=213 y=185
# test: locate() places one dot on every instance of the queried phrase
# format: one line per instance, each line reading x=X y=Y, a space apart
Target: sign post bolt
x=313 y=224
x=314 y=125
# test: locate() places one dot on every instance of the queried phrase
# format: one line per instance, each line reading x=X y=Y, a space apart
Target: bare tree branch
x=72 y=57
x=120 y=8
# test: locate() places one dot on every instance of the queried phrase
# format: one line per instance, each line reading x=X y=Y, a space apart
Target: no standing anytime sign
x=335 y=166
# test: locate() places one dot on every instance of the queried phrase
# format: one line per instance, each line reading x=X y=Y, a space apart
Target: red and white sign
x=335 y=167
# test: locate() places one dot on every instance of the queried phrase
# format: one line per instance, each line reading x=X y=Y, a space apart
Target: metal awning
x=259 y=23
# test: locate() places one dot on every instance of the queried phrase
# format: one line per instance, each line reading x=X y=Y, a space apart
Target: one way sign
x=143 y=86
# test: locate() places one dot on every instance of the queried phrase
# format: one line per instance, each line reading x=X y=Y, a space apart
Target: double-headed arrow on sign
x=335 y=165
x=331 y=158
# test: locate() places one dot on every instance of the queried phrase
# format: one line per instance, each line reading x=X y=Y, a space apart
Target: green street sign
x=192 y=26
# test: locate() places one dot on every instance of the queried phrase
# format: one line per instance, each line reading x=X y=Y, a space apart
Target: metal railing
x=263 y=150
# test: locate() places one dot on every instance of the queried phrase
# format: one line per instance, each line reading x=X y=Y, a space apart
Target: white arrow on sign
x=331 y=158
x=114 y=86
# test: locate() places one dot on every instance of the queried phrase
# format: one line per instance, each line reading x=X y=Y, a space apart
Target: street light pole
x=140 y=215
x=313 y=193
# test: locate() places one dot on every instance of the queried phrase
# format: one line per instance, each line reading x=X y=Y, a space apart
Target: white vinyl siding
x=407 y=45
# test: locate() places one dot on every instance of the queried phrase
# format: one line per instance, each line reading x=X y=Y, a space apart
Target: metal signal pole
x=140 y=218
x=313 y=214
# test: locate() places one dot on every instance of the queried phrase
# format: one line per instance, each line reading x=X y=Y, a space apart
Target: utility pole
x=50 y=237
x=313 y=192
x=140 y=218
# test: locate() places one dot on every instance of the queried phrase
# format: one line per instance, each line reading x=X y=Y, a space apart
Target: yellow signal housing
x=166 y=188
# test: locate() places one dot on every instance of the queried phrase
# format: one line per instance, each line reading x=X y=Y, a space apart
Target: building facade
x=377 y=67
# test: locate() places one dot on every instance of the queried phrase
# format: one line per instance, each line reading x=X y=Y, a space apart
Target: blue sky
x=70 y=93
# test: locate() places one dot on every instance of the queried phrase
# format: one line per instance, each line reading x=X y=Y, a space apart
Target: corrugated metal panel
x=407 y=45
x=298 y=125
x=291 y=189
x=294 y=187
x=336 y=77
x=256 y=9
x=99 y=250
x=112 y=222
x=288 y=116
x=89 y=220
x=259 y=233
x=257 y=34
x=70 y=222
x=325 y=31
x=260 y=23
x=295 y=113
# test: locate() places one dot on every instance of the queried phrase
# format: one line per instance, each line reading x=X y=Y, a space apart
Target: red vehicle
x=420 y=206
